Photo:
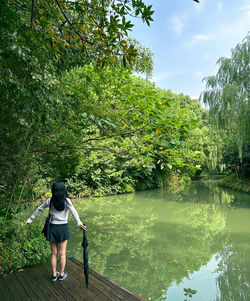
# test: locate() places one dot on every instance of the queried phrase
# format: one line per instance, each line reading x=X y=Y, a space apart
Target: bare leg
x=62 y=255
x=54 y=246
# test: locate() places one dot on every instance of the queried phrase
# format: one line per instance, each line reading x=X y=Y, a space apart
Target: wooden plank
x=63 y=288
x=96 y=294
x=41 y=282
x=72 y=291
x=33 y=290
x=34 y=283
x=121 y=293
x=4 y=289
x=42 y=279
x=128 y=295
x=105 y=292
x=77 y=293
x=16 y=290
x=27 y=285
x=105 y=289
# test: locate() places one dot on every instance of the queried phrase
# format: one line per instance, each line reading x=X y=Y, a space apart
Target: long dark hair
x=59 y=195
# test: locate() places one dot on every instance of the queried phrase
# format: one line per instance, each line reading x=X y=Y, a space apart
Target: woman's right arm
x=38 y=210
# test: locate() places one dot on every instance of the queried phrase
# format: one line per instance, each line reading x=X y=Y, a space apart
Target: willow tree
x=227 y=95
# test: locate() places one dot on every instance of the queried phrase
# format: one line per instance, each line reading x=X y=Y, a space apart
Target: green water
x=193 y=245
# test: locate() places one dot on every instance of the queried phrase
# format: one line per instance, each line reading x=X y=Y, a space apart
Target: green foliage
x=96 y=31
x=99 y=173
x=101 y=130
x=38 y=42
x=227 y=95
x=207 y=143
x=71 y=110
x=144 y=60
x=233 y=182
x=125 y=126
x=110 y=133
x=21 y=246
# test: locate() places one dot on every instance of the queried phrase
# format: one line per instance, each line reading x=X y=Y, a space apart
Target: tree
x=39 y=40
x=227 y=96
x=98 y=28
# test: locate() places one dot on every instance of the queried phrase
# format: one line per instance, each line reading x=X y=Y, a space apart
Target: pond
x=193 y=245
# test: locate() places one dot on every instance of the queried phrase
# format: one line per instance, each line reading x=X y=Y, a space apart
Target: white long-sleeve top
x=57 y=217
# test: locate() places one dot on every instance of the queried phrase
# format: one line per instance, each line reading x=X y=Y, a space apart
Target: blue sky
x=187 y=38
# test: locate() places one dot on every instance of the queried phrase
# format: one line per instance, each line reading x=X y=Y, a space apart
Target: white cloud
x=202 y=37
x=177 y=23
x=199 y=38
x=227 y=33
x=161 y=76
x=199 y=74
x=246 y=9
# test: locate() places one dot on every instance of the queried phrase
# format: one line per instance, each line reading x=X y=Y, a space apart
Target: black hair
x=59 y=195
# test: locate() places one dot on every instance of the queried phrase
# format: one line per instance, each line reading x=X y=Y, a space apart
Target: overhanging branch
x=83 y=39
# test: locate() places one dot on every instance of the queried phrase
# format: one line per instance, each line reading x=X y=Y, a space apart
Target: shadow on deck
x=34 y=283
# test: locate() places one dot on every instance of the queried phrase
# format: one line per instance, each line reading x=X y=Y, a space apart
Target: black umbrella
x=85 y=258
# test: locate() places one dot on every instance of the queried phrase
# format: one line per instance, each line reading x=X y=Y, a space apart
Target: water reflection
x=192 y=245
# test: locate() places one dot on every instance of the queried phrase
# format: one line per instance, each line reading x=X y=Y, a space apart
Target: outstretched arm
x=38 y=210
x=75 y=214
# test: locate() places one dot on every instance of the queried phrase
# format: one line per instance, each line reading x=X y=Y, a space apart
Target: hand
x=82 y=227
x=26 y=224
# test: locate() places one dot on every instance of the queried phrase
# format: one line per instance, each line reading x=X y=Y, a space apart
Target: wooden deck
x=34 y=283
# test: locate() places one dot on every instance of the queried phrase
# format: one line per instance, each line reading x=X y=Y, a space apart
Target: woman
x=59 y=205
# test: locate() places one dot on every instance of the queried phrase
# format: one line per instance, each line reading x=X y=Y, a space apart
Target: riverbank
x=232 y=182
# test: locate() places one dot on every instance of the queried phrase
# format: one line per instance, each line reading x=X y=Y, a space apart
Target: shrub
x=21 y=245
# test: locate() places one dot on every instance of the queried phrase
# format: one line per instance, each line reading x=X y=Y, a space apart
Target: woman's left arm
x=75 y=214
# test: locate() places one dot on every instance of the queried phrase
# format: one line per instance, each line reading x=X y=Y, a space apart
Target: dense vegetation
x=39 y=43
x=68 y=113
x=227 y=96
x=72 y=110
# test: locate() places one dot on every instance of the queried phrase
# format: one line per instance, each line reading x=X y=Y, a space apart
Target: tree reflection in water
x=151 y=240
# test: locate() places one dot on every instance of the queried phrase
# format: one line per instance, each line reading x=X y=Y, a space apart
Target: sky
x=187 y=38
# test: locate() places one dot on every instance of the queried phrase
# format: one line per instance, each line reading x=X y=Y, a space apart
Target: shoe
x=62 y=277
x=54 y=278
